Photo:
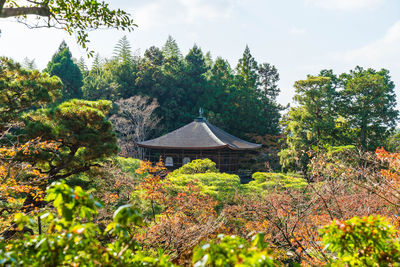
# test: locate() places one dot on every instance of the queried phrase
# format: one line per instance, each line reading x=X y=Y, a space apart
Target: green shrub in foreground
x=72 y=239
x=233 y=251
x=367 y=241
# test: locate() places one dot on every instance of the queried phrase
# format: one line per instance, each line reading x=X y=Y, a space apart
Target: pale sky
x=299 y=37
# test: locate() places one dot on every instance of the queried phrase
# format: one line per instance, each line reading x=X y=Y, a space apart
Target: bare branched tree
x=133 y=122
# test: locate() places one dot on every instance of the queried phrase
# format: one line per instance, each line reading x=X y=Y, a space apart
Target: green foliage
x=123 y=50
x=369 y=103
x=392 y=143
x=356 y=108
x=127 y=165
x=248 y=95
x=29 y=64
x=99 y=82
x=221 y=186
x=233 y=251
x=311 y=123
x=21 y=90
x=72 y=239
x=171 y=49
x=196 y=166
x=264 y=181
x=80 y=127
x=233 y=100
x=64 y=67
x=367 y=241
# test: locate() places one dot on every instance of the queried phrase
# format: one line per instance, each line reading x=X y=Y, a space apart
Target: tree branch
x=20 y=11
x=2 y=3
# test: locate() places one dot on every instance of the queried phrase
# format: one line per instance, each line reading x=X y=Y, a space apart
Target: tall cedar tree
x=195 y=83
x=122 y=69
x=171 y=49
x=64 y=67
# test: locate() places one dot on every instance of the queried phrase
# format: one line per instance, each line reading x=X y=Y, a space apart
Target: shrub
x=266 y=181
x=72 y=239
x=197 y=166
x=367 y=241
x=233 y=251
x=127 y=165
x=221 y=186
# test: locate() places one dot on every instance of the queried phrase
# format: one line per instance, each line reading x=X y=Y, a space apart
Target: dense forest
x=73 y=191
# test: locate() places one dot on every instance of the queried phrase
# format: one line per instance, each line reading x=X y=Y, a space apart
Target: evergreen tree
x=87 y=136
x=246 y=70
x=368 y=102
x=220 y=94
x=309 y=124
x=195 y=83
x=123 y=50
x=18 y=96
x=97 y=63
x=82 y=66
x=29 y=64
x=64 y=67
x=356 y=108
x=162 y=79
x=247 y=115
x=209 y=61
x=171 y=49
x=269 y=78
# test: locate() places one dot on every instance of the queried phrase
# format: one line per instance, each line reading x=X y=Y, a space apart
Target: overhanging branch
x=20 y=11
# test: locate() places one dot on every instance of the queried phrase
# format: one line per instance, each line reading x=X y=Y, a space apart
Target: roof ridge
x=213 y=136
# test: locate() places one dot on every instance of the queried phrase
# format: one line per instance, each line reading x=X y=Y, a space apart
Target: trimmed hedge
x=221 y=186
x=197 y=166
x=264 y=181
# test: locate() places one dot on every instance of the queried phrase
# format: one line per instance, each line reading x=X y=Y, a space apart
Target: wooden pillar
x=229 y=160
x=219 y=159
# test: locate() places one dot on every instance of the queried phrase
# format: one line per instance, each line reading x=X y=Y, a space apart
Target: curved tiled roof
x=198 y=134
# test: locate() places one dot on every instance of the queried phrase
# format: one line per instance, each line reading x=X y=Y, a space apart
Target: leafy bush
x=127 y=165
x=72 y=239
x=233 y=251
x=367 y=241
x=266 y=181
x=197 y=166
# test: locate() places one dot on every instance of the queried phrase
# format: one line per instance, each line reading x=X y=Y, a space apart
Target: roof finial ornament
x=201 y=112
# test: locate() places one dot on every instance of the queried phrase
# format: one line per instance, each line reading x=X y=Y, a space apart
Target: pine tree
x=369 y=103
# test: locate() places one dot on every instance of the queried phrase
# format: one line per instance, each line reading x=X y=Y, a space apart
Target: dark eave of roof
x=198 y=135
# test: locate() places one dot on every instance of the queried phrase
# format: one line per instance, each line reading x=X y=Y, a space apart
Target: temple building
x=198 y=140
